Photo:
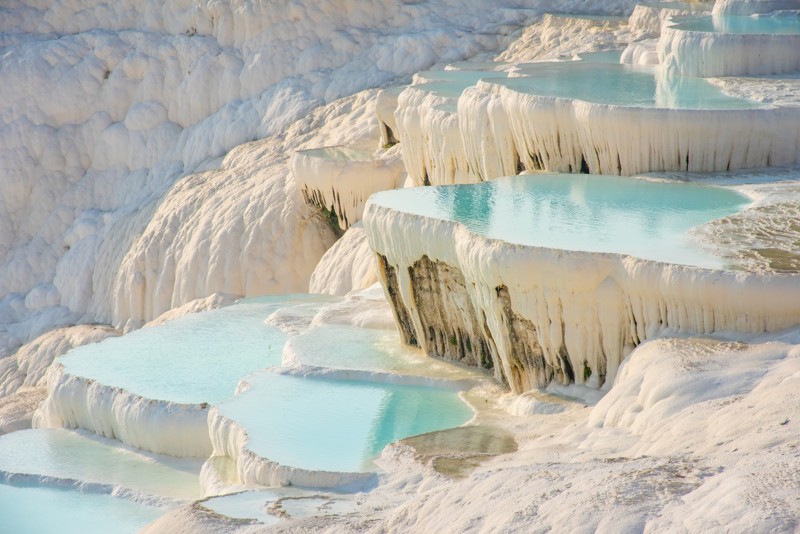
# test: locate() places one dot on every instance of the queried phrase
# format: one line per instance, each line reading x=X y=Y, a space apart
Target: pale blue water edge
x=589 y=213
x=739 y=24
x=245 y=505
x=623 y=85
x=49 y=510
x=598 y=78
x=76 y=455
x=355 y=348
x=332 y=425
x=196 y=358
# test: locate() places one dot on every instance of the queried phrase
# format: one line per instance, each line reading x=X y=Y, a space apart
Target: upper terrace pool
x=738 y=24
x=195 y=358
x=645 y=219
x=623 y=85
x=336 y=425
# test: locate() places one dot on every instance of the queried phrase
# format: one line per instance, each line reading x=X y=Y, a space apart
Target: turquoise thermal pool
x=245 y=505
x=739 y=24
x=38 y=509
x=293 y=501
x=350 y=347
x=624 y=85
x=336 y=425
x=649 y=220
x=196 y=358
x=74 y=455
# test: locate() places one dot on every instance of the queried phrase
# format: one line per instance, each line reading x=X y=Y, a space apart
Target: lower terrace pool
x=645 y=219
x=196 y=358
x=39 y=509
x=63 y=454
x=616 y=84
x=336 y=425
x=348 y=347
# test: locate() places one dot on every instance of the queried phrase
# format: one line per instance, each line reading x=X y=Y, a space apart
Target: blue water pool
x=625 y=85
x=645 y=219
x=606 y=56
x=350 y=347
x=48 y=510
x=196 y=358
x=331 y=425
x=739 y=24
x=67 y=454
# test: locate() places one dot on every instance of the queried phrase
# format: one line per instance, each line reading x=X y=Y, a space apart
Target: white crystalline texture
x=22 y=375
x=385 y=106
x=341 y=180
x=545 y=315
x=696 y=435
x=706 y=54
x=230 y=440
x=647 y=19
x=157 y=426
x=430 y=138
x=110 y=110
x=348 y=265
x=557 y=35
x=752 y=7
x=640 y=53
x=29 y=365
x=502 y=131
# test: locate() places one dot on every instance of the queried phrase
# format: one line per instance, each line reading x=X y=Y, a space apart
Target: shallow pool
x=74 y=455
x=740 y=24
x=331 y=425
x=196 y=358
x=591 y=213
x=624 y=85
x=347 y=347
x=49 y=510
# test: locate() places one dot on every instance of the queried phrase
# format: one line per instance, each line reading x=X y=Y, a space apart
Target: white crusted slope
x=151 y=425
x=566 y=135
x=347 y=266
x=709 y=54
x=341 y=179
x=552 y=315
x=98 y=206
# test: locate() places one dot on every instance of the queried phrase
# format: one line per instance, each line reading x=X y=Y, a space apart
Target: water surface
x=590 y=213
x=332 y=425
x=196 y=358
x=64 y=511
x=624 y=85
x=740 y=24
x=68 y=454
x=348 y=347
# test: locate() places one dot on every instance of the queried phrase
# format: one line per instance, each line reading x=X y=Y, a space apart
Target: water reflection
x=336 y=425
x=580 y=212
x=616 y=84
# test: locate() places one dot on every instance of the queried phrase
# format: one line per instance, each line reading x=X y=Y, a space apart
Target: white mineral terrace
x=751 y=7
x=647 y=18
x=730 y=45
x=510 y=350
x=543 y=314
x=584 y=117
x=341 y=179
